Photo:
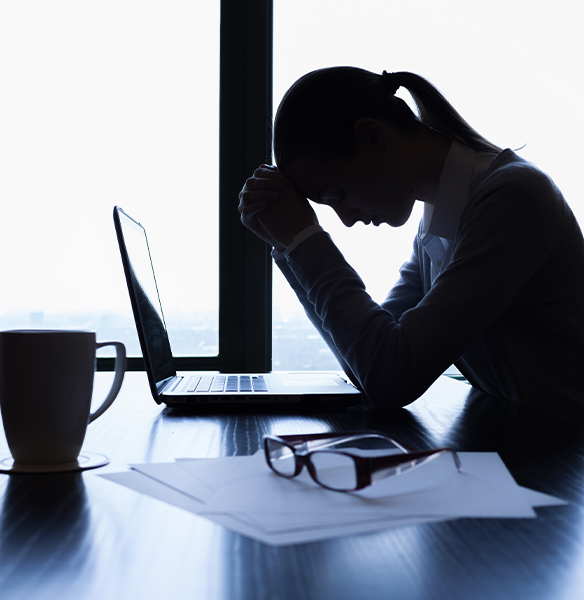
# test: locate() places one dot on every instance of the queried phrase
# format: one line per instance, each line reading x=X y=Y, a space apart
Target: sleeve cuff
x=300 y=237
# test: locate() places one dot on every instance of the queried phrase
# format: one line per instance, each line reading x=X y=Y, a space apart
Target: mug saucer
x=86 y=460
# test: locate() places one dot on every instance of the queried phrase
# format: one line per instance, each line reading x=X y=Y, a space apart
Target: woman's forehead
x=314 y=177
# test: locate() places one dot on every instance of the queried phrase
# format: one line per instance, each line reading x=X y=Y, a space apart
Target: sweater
x=508 y=310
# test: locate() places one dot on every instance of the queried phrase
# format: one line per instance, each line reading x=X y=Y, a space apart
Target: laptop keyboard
x=219 y=384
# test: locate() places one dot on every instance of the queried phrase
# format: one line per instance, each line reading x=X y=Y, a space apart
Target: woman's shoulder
x=513 y=171
x=517 y=194
x=514 y=182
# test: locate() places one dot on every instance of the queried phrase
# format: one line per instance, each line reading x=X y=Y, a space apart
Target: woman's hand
x=259 y=190
x=271 y=207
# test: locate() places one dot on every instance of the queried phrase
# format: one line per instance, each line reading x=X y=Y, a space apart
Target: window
x=120 y=102
x=117 y=102
x=107 y=103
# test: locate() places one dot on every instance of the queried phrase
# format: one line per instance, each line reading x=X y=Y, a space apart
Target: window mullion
x=245 y=286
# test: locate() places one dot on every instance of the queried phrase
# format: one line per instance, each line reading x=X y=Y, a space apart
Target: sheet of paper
x=150 y=487
x=172 y=475
x=242 y=494
x=484 y=488
x=178 y=479
x=537 y=499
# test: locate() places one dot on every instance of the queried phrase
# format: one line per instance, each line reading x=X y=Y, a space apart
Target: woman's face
x=368 y=187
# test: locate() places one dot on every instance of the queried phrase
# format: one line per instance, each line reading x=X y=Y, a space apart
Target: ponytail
x=436 y=112
x=318 y=113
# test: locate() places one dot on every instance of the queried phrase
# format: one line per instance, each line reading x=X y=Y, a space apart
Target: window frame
x=245 y=141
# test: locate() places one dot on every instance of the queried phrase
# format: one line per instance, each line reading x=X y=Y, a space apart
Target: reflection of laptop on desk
x=309 y=389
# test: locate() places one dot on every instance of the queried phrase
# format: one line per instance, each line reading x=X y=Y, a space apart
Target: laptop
x=308 y=389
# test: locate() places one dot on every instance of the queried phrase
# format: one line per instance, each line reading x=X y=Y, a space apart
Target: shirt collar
x=441 y=219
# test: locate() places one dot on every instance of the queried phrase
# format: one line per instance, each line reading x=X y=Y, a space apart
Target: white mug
x=46 y=384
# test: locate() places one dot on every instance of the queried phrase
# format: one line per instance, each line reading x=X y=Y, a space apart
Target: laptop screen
x=144 y=296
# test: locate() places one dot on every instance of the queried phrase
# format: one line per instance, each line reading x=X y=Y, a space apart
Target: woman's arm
x=313 y=317
x=409 y=289
x=500 y=255
x=502 y=242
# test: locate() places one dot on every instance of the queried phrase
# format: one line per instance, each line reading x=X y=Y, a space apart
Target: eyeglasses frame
x=365 y=467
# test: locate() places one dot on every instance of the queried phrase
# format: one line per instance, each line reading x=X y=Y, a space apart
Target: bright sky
x=103 y=103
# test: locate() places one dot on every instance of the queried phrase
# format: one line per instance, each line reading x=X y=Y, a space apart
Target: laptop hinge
x=169 y=384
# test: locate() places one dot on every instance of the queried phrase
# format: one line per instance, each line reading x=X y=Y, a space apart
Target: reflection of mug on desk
x=45 y=524
x=46 y=384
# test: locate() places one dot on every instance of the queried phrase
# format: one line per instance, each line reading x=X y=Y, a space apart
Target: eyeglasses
x=338 y=469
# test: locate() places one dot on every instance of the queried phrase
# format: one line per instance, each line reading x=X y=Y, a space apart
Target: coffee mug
x=46 y=384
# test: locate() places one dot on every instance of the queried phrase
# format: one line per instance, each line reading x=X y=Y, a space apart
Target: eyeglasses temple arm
x=336 y=438
x=379 y=463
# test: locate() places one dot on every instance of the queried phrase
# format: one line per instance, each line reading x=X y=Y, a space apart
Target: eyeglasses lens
x=334 y=470
x=281 y=458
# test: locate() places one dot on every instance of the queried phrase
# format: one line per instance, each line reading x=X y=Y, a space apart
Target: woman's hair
x=318 y=113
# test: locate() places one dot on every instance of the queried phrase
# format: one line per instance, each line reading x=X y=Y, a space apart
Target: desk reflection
x=44 y=524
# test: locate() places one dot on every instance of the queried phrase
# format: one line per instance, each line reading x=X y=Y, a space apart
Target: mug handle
x=120 y=369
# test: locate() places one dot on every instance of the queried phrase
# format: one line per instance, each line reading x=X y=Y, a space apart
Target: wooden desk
x=80 y=536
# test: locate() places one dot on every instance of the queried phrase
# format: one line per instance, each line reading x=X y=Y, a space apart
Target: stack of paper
x=244 y=495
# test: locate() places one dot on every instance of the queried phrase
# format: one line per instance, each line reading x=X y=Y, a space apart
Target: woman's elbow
x=386 y=397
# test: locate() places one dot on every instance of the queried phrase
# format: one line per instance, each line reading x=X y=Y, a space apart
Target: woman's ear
x=371 y=131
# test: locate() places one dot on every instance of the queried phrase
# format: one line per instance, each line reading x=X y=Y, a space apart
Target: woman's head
x=318 y=113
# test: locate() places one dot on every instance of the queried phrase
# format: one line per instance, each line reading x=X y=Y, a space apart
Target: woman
x=495 y=284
